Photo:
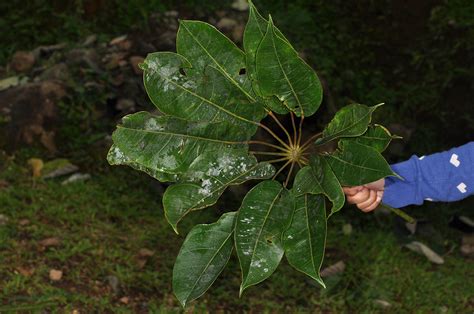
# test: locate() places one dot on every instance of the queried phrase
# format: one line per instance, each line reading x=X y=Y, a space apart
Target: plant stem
x=281 y=126
x=300 y=134
x=281 y=169
x=268 y=153
x=277 y=160
x=304 y=160
x=308 y=142
x=274 y=135
x=266 y=144
x=294 y=127
x=289 y=174
x=400 y=213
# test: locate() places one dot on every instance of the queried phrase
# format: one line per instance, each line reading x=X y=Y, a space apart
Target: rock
x=22 y=61
x=125 y=105
x=30 y=110
x=58 y=71
x=240 y=5
x=3 y=220
x=76 y=178
x=55 y=274
x=48 y=242
x=134 y=62
x=58 y=167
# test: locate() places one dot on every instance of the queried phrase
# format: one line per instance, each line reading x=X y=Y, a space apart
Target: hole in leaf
x=181 y=71
x=242 y=71
x=269 y=240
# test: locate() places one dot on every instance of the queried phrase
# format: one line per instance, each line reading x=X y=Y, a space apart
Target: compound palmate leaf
x=305 y=239
x=202 y=258
x=212 y=97
x=357 y=164
x=263 y=217
x=211 y=177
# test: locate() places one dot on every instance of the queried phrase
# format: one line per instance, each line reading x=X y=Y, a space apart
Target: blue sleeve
x=441 y=177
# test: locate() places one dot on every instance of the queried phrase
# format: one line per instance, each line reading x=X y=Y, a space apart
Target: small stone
x=55 y=274
x=22 y=61
x=134 y=62
x=124 y=300
x=50 y=242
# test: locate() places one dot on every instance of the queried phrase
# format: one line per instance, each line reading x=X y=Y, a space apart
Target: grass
x=104 y=222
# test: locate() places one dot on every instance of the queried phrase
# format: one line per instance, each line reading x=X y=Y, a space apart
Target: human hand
x=366 y=197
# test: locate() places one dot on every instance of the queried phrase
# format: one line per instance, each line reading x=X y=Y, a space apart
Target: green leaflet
x=281 y=72
x=203 y=45
x=213 y=175
x=318 y=178
x=376 y=136
x=204 y=254
x=168 y=144
x=203 y=96
x=305 y=239
x=263 y=217
x=357 y=164
x=350 y=121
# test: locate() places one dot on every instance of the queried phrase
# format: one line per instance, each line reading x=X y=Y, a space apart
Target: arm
x=446 y=177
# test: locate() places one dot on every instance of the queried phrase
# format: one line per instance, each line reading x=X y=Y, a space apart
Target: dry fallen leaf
x=423 y=249
x=145 y=252
x=124 y=300
x=50 y=242
x=27 y=272
x=36 y=165
x=334 y=269
x=55 y=275
x=24 y=222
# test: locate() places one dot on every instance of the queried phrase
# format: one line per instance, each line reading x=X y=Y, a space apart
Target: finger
x=369 y=201
x=352 y=190
x=373 y=206
x=376 y=185
x=360 y=197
